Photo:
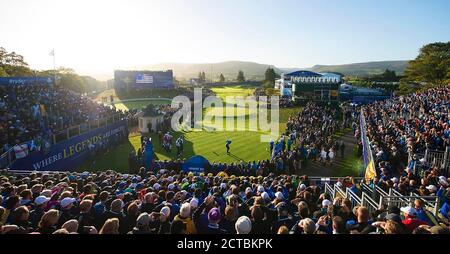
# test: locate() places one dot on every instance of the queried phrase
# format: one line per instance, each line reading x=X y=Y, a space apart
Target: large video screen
x=143 y=79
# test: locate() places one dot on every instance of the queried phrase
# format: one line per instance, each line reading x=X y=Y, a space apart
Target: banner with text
x=70 y=154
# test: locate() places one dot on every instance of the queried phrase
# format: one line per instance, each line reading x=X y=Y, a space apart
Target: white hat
x=170 y=179
x=171 y=186
x=409 y=210
x=431 y=188
x=339 y=184
x=67 y=201
x=265 y=195
x=243 y=225
x=279 y=195
x=41 y=200
x=185 y=210
x=194 y=202
x=443 y=181
x=223 y=185
x=166 y=211
x=423 y=160
x=46 y=193
x=394 y=179
x=326 y=203
x=156 y=186
x=248 y=189
x=260 y=188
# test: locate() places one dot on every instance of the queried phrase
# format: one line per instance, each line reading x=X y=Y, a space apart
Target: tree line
x=14 y=65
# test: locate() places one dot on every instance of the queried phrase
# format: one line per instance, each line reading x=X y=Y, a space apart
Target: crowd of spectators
x=34 y=113
x=404 y=127
x=172 y=202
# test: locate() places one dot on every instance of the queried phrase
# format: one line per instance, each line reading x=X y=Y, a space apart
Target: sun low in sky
x=95 y=37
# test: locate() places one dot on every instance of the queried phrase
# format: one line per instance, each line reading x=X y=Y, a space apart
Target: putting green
x=138 y=104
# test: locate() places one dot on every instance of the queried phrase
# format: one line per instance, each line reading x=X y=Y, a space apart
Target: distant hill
x=255 y=71
x=252 y=71
x=363 y=69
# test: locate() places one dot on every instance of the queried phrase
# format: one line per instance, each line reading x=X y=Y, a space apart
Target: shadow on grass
x=115 y=159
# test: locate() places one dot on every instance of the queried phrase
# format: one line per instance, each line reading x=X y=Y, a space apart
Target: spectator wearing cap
x=39 y=209
x=243 y=225
x=163 y=226
x=48 y=222
x=66 y=210
x=142 y=225
x=185 y=217
x=214 y=218
x=411 y=221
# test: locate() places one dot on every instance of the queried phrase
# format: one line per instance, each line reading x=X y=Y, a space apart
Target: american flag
x=144 y=79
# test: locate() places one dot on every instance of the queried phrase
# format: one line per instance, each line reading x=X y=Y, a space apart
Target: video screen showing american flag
x=144 y=79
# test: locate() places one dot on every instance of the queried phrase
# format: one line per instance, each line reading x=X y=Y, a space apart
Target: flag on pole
x=52 y=53
x=367 y=151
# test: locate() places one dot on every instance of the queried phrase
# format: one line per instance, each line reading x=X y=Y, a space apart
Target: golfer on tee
x=227 y=145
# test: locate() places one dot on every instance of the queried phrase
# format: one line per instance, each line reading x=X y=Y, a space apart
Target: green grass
x=126 y=105
x=116 y=159
x=351 y=165
x=239 y=90
x=246 y=145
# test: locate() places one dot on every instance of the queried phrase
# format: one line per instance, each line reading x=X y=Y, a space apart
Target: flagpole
x=54 y=68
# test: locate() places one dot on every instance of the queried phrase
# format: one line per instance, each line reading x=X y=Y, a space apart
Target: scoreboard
x=143 y=79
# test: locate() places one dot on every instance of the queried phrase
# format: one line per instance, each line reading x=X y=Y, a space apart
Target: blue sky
x=95 y=37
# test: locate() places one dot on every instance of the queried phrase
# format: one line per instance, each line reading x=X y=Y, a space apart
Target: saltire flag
x=52 y=53
x=367 y=151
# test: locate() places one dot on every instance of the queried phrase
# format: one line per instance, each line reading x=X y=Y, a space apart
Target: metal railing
x=368 y=202
x=434 y=158
x=329 y=190
x=339 y=191
x=353 y=197
x=384 y=199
